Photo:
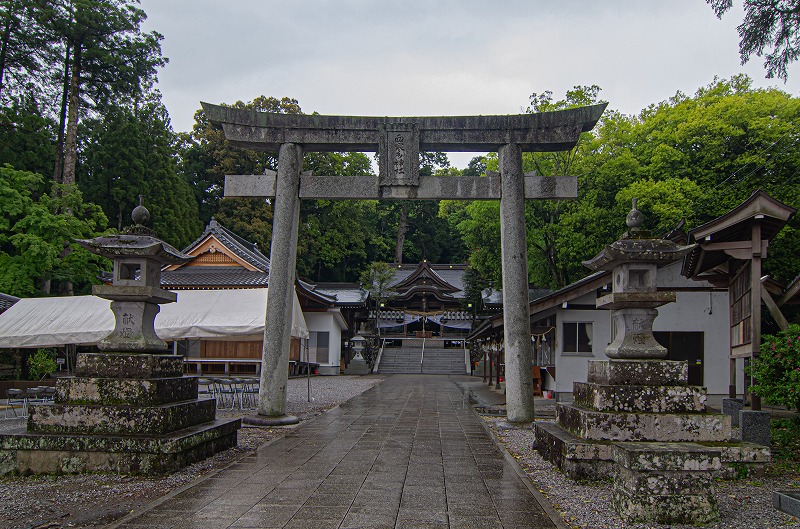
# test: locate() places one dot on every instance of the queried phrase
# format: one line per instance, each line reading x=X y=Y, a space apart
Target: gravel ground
x=95 y=500
x=743 y=504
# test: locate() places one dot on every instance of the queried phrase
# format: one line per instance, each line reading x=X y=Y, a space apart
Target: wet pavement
x=408 y=453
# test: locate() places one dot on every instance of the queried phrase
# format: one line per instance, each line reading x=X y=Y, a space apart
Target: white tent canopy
x=85 y=320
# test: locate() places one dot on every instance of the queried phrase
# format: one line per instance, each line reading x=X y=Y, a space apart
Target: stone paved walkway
x=408 y=453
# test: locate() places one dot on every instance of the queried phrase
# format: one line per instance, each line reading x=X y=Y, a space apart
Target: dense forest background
x=83 y=133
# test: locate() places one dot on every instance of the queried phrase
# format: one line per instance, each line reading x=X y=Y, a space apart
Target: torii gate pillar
x=398 y=140
x=516 y=315
x=283 y=261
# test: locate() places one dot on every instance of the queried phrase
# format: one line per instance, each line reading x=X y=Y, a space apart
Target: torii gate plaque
x=398 y=140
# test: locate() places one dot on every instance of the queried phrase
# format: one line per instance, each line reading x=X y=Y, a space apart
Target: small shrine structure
x=426 y=300
x=729 y=252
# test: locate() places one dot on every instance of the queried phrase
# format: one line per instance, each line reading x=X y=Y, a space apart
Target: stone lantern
x=357 y=364
x=135 y=291
x=636 y=417
x=128 y=409
x=633 y=261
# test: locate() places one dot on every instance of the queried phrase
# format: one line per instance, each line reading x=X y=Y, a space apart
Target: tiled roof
x=207 y=276
x=495 y=297
x=310 y=291
x=6 y=301
x=343 y=293
x=245 y=250
x=451 y=273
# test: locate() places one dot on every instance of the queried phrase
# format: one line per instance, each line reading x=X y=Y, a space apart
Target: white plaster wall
x=327 y=322
x=705 y=312
x=572 y=367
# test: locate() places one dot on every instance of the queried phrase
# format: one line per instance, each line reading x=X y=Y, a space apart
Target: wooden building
x=223 y=260
x=426 y=300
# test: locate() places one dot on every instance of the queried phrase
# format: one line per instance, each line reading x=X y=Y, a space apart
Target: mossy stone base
x=128 y=365
x=30 y=453
x=694 y=509
x=648 y=399
x=125 y=392
x=619 y=426
x=657 y=457
x=575 y=457
x=116 y=420
x=638 y=372
x=122 y=413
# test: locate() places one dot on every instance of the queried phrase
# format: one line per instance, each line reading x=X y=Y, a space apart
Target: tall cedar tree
x=109 y=60
x=770 y=29
x=130 y=152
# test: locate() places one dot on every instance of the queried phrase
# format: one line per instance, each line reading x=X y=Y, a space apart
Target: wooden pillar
x=755 y=298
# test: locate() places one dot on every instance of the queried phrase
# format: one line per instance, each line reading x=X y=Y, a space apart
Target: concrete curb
x=541 y=499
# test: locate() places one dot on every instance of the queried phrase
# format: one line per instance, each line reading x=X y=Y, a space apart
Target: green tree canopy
x=689 y=158
x=34 y=234
x=130 y=151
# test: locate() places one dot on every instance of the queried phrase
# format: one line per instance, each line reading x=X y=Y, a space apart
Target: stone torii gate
x=399 y=140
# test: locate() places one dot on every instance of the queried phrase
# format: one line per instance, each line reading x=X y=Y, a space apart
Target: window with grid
x=577 y=337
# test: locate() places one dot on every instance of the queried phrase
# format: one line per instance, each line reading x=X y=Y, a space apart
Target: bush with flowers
x=777 y=369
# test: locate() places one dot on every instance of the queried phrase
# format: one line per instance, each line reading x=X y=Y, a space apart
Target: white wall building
x=694 y=328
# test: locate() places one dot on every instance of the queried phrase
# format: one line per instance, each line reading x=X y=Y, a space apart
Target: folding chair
x=48 y=394
x=206 y=388
x=16 y=398
x=249 y=396
x=33 y=394
x=227 y=393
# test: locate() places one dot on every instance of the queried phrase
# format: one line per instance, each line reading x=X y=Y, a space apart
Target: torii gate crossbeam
x=398 y=141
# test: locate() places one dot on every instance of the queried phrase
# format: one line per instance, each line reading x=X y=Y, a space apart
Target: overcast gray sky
x=441 y=57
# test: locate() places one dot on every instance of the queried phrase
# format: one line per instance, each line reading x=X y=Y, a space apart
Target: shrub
x=777 y=369
x=42 y=363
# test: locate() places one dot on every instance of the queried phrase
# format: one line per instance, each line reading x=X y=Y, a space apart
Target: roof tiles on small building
x=246 y=250
x=7 y=301
x=213 y=277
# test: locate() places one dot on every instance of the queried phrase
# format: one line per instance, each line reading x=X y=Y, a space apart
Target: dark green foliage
x=475 y=167
x=206 y=156
x=785 y=437
x=776 y=369
x=770 y=29
x=26 y=137
x=130 y=152
x=24 y=46
x=35 y=232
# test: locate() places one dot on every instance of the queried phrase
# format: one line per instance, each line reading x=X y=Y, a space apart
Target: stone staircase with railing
x=436 y=360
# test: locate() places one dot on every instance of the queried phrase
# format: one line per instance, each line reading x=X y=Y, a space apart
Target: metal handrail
x=377 y=363
x=422 y=356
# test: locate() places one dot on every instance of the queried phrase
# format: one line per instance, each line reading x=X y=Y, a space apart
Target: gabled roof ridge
x=739 y=209
x=421 y=267
x=251 y=246
x=243 y=248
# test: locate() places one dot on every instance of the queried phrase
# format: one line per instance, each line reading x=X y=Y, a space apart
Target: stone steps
x=410 y=360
